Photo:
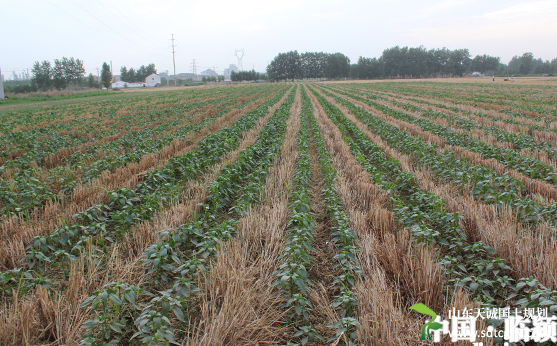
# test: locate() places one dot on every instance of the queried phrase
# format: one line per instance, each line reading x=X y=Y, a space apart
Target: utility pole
x=173 y=58
x=111 y=72
x=98 y=75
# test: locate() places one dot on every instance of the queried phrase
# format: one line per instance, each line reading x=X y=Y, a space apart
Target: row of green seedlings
x=103 y=224
x=25 y=192
x=137 y=145
x=176 y=262
x=489 y=97
x=38 y=142
x=517 y=118
x=471 y=265
x=70 y=117
x=346 y=252
x=54 y=114
x=526 y=165
x=483 y=184
x=519 y=141
x=292 y=276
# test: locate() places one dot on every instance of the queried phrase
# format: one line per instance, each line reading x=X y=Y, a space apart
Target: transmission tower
x=193 y=67
x=239 y=55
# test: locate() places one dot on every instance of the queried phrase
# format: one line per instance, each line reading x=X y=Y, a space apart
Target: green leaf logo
x=429 y=326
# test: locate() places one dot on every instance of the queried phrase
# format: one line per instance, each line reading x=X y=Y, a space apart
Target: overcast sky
x=137 y=32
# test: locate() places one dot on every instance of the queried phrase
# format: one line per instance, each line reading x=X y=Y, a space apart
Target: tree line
x=63 y=73
x=402 y=62
x=246 y=76
x=310 y=65
x=132 y=75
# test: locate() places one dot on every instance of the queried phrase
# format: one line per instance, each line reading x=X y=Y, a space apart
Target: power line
x=110 y=27
x=122 y=14
x=135 y=30
x=96 y=29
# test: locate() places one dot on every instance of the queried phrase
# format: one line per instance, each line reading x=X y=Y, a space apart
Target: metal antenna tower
x=193 y=67
x=239 y=55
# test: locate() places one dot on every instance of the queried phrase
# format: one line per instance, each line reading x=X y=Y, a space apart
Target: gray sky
x=137 y=32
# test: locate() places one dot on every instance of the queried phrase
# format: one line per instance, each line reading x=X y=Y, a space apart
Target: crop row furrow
x=472 y=265
x=511 y=159
x=482 y=183
x=343 y=244
x=183 y=254
x=106 y=223
x=15 y=196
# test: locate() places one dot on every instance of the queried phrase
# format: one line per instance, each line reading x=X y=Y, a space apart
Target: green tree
x=138 y=75
x=59 y=80
x=285 y=66
x=91 y=81
x=459 y=61
x=106 y=76
x=124 y=73
x=368 y=68
x=42 y=74
x=526 y=63
x=244 y=76
x=338 y=66
x=131 y=75
x=313 y=64
x=485 y=64
x=74 y=70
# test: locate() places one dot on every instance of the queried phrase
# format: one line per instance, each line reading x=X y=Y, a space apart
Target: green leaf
x=116 y=328
x=421 y=308
x=179 y=313
x=115 y=299
x=165 y=308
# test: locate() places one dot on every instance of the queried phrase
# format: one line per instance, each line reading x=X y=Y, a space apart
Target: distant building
x=122 y=84
x=209 y=73
x=187 y=76
x=228 y=71
x=153 y=80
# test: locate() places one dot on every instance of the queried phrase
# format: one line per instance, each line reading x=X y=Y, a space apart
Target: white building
x=228 y=71
x=209 y=73
x=153 y=80
x=122 y=84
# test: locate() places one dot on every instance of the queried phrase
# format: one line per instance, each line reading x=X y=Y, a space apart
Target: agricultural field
x=276 y=213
